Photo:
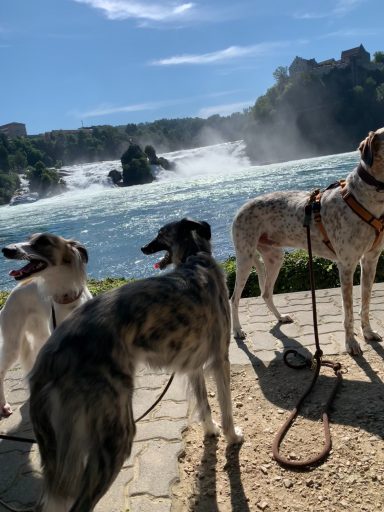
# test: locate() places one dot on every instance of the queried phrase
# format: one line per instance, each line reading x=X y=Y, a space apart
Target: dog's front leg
x=368 y=265
x=346 y=279
x=10 y=347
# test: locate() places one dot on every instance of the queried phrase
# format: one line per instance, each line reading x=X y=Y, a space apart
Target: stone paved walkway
x=145 y=482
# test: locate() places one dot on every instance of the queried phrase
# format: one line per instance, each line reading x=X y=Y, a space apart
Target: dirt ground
x=248 y=479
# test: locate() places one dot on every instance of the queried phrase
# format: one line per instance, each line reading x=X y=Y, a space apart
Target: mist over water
x=218 y=159
x=208 y=160
x=210 y=184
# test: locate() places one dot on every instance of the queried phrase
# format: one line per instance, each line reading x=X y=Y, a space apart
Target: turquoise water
x=114 y=223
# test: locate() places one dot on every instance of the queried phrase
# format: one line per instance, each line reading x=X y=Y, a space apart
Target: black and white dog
x=83 y=379
x=52 y=282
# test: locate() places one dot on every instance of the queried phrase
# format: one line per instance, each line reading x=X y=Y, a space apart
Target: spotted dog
x=179 y=320
x=352 y=223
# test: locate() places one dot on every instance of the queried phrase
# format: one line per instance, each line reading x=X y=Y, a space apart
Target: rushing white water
x=209 y=184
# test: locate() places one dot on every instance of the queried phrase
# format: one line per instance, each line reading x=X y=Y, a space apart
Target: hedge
x=293 y=276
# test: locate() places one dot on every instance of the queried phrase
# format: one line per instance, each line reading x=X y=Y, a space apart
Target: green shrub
x=293 y=276
x=96 y=287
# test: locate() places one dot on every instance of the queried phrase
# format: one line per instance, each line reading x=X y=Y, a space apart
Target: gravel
x=248 y=479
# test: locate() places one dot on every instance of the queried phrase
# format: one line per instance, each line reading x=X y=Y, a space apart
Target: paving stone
x=116 y=499
x=170 y=408
x=146 y=504
x=157 y=469
x=169 y=429
x=178 y=389
x=151 y=381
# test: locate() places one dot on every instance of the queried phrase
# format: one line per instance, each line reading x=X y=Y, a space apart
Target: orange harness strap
x=319 y=222
x=356 y=207
x=365 y=215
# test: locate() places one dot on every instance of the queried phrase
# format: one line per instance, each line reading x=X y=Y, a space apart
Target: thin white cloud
x=224 y=110
x=349 y=33
x=345 y=6
x=341 y=8
x=160 y=11
x=105 y=110
x=230 y=53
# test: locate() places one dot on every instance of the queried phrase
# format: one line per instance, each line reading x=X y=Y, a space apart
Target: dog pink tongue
x=18 y=273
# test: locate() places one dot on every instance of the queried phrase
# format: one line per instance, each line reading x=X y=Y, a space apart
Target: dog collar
x=369 y=179
x=67 y=298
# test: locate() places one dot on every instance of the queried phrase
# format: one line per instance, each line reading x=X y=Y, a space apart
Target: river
x=210 y=184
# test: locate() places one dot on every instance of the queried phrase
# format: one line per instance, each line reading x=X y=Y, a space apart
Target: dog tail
x=82 y=448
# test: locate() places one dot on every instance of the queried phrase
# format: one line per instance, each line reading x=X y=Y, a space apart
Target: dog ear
x=202 y=228
x=367 y=148
x=82 y=250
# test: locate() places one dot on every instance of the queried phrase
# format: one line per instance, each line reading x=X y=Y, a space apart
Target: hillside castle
x=355 y=59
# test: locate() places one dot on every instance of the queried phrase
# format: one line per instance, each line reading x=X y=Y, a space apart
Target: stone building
x=354 y=58
x=12 y=130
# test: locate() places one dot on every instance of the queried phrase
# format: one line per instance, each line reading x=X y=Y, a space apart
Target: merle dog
x=83 y=379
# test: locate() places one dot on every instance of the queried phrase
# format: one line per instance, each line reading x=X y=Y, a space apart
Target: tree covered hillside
x=318 y=108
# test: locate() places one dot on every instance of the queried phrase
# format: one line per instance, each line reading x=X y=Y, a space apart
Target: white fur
x=26 y=318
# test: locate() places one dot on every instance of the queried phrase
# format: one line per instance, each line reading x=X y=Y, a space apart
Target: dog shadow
x=358 y=404
x=20 y=483
x=206 y=499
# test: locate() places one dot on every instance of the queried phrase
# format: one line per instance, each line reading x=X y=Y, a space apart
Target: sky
x=71 y=63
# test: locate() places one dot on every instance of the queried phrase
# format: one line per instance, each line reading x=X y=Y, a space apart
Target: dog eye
x=42 y=240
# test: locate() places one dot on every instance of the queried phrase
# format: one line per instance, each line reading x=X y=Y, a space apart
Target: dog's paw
x=239 y=334
x=371 y=335
x=236 y=437
x=5 y=411
x=286 y=319
x=212 y=430
x=352 y=346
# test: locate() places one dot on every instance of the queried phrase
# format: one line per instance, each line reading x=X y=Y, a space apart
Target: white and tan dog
x=268 y=223
x=52 y=284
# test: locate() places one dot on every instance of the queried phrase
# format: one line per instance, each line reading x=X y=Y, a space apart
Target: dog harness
x=377 y=223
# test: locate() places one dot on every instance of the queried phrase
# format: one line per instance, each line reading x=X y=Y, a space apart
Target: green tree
x=18 y=162
x=43 y=180
x=9 y=183
x=378 y=57
x=4 y=153
x=380 y=93
x=281 y=75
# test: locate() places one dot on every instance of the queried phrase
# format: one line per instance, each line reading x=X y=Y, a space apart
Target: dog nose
x=7 y=251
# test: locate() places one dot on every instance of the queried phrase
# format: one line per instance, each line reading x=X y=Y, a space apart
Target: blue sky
x=68 y=62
